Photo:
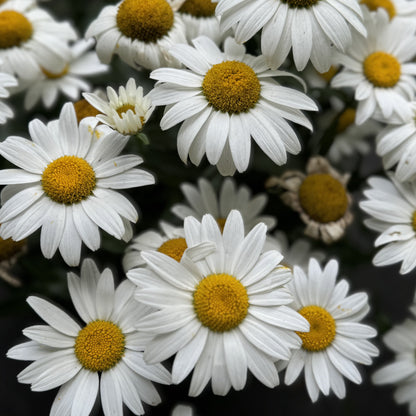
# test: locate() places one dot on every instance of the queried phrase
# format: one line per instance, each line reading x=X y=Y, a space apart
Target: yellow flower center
x=382 y=69
x=145 y=20
x=14 y=29
x=300 y=4
x=68 y=180
x=373 y=5
x=220 y=302
x=198 y=8
x=328 y=75
x=124 y=108
x=99 y=346
x=84 y=109
x=9 y=247
x=221 y=223
x=174 y=248
x=346 y=119
x=323 y=197
x=322 y=331
x=53 y=75
x=231 y=87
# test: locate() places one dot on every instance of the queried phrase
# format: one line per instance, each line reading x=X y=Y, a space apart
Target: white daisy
x=221 y=312
x=67 y=185
x=30 y=38
x=398 y=9
x=311 y=28
x=6 y=81
x=127 y=111
x=397 y=146
x=379 y=69
x=104 y=355
x=170 y=242
x=224 y=99
x=392 y=206
x=401 y=339
x=336 y=340
x=200 y=20
x=203 y=199
x=140 y=32
x=70 y=81
x=296 y=254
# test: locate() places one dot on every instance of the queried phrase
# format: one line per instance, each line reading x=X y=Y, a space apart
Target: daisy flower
x=105 y=354
x=311 y=28
x=379 y=68
x=321 y=198
x=127 y=111
x=66 y=185
x=223 y=100
x=203 y=199
x=221 y=312
x=392 y=206
x=296 y=254
x=200 y=20
x=170 y=242
x=397 y=146
x=30 y=38
x=401 y=339
x=6 y=81
x=399 y=9
x=10 y=251
x=336 y=340
x=70 y=81
x=140 y=32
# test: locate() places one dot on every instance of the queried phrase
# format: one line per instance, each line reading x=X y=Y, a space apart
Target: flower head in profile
x=204 y=199
x=321 y=198
x=104 y=354
x=221 y=309
x=392 y=207
x=140 y=32
x=337 y=340
x=311 y=28
x=379 y=68
x=67 y=185
x=224 y=99
x=127 y=111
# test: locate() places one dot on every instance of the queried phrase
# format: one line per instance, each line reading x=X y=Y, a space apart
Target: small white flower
x=336 y=340
x=379 y=68
x=105 y=355
x=223 y=100
x=127 y=111
x=67 y=185
x=203 y=199
x=140 y=32
x=311 y=28
x=396 y=145
x=222 y=308
x=392 y=206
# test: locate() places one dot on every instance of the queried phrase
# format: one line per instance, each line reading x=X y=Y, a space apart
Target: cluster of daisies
x=215 y=293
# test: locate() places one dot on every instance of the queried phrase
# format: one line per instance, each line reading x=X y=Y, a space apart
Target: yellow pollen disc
x=68 y=180
x=322 y=331
x=382 y=69
x=9 y=247
x=14 y=29
x=124 y=108
x=300 y=4
x=346 y=119
x=220 y=302
x=84 y=109
x=323 y=197
x=328 y=75
x=198 y=8
x=231 y=87
x=145 y=20
x=99 y=346
x=221 y=223
x=373 y=5
x=174 y=248
x=53 y=75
